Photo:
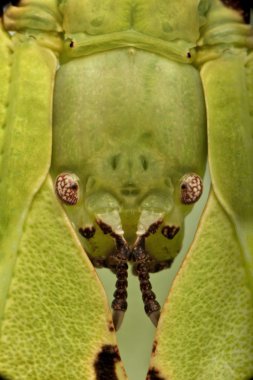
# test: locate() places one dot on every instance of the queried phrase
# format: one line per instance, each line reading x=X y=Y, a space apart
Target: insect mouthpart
x=120 y=257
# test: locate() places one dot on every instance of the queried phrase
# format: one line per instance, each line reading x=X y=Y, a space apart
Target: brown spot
x=154 y=347
x=111 y=326
x=242 y=6
x=71 y=45
x=105 y=363
x=153 y=374
x=189 y=55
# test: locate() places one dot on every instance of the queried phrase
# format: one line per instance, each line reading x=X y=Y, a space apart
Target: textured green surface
x=56 y=318
x=25 y=162
x=5 y=55
x=207 y=337
x=161 y=19
x=206 y=329
x=230 y=140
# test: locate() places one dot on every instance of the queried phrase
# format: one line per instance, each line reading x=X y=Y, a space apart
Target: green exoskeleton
x=111 y=110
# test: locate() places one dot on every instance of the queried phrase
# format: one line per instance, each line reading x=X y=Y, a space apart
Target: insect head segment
x=154 y=213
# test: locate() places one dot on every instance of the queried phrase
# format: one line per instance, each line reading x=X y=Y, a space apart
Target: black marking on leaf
x=153 y=374
x=105 y=363
x=71 y=45
x=242 y=6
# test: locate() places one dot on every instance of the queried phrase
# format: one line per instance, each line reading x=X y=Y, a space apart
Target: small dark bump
x=71 y=45
x=105 y=363
x=153 y=374
x=189 y=55
x=111 y=326
x=170 y=231
x=87 y=232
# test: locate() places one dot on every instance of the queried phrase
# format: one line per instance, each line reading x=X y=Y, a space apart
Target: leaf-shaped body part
x=56 y=321
x=206 y=327
x=25 y=162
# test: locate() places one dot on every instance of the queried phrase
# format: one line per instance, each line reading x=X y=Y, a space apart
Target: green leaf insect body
x=108 y=114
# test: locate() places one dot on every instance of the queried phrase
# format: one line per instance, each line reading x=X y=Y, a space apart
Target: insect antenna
x=142 y=259
x=119 y=303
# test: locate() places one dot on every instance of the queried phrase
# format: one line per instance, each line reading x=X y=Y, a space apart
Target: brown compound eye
x=191 y=188
x=67 y=188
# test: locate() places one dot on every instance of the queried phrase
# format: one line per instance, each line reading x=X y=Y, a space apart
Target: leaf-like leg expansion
x=27 y=146
x=227 y=79
x=206 y=327
x=58 y=311
x=27 y=124
x=5 y=72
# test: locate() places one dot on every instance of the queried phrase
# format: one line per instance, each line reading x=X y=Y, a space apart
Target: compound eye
x=191 y=188
x=67 y=188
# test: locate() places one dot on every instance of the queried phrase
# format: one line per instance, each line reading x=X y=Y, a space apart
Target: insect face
x=119 y=136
